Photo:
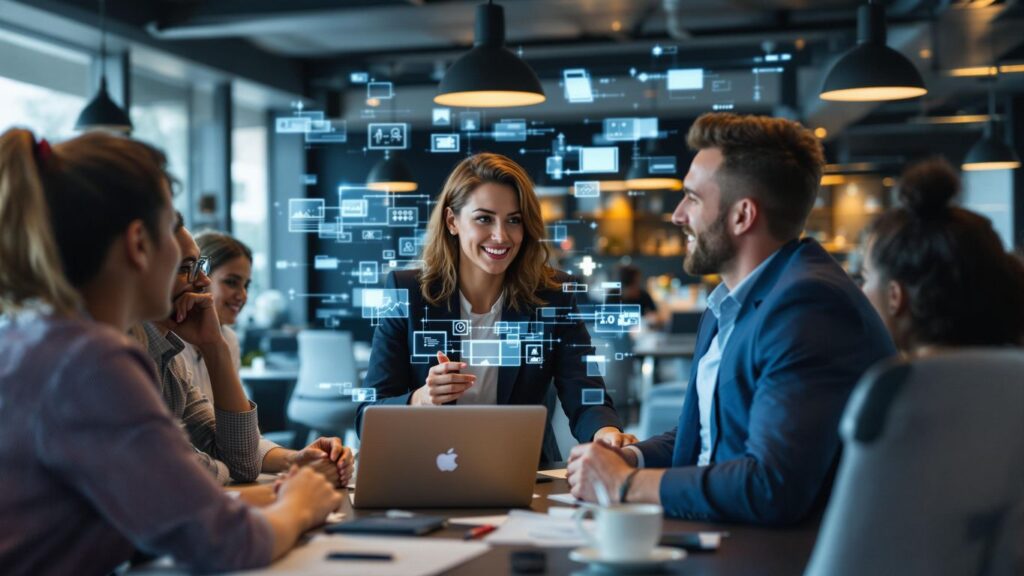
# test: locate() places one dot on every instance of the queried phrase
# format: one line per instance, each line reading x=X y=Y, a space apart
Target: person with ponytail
x=93 y=466
x=938 y=274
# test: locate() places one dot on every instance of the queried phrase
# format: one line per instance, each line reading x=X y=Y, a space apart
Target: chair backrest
x=932 y=473
x=327 y=365
x=685 y=322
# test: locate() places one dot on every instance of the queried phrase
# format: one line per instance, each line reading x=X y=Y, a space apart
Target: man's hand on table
x=598 y=462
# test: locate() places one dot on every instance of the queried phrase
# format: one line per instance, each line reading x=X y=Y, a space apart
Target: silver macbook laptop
x=449 y=456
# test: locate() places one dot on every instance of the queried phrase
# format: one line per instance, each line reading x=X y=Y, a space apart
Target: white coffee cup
x=622 y=531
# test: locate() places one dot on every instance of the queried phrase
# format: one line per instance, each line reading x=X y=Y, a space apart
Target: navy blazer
x=802 y=339
x=566 y=341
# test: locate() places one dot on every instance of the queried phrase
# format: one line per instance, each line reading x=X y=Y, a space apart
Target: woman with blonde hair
x=93 y=466
x=509 y=329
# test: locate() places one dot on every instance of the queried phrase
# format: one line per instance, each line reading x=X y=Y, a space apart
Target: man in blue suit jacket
x=784 y=340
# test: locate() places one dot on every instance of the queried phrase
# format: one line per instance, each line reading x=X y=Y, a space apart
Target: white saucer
x=659 y=555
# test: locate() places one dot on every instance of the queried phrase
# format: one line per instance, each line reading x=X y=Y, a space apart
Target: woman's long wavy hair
x=527 y=274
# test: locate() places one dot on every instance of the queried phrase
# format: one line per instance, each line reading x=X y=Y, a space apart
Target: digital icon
x=592 y=396
x=686 y=79
x=573 y=287
x=557 y=232
x=460 y=328
x=599 y=159
x=442 y=117
x=325 y=263
x=292 y=125
x=406 y=246
x=359 y=77
x=387 y=135
x=305 y=214
x=444 y=142
x=388 y=254
x=446 y=461
x=469 y=121
x=534 y=354
x=368 y=272
x=510 y=131
x=429 y=343
x=553 y=166
x=661 y=165
x=384 y=302
x=403 y=217
x=380 y=90
x=618 y=318
x=327 y=132
x=353 y=208
x=587 y=189
x=364 y=394
x=630 y=129
x=577 y=86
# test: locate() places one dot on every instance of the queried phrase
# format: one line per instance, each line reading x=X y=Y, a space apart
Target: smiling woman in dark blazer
x=488 y=322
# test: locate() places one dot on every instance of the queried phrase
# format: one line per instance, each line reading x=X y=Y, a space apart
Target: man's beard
x=711 y=251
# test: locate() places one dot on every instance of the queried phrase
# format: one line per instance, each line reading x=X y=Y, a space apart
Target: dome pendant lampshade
x=102 y=113
x=391 y=174
x=872 y=71
x=489 y=75
x=991 y=152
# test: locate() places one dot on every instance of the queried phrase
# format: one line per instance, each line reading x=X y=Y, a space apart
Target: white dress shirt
x=485 y=390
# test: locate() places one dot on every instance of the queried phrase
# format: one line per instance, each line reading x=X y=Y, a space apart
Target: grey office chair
x=931 y=480
x=322 y=397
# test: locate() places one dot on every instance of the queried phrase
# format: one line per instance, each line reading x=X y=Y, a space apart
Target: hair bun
x=927 y=187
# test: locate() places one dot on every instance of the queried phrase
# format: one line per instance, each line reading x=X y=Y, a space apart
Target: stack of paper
x=531 y=528
x=411 y=556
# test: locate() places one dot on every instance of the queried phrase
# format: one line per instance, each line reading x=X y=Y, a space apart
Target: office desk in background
x=653 y=346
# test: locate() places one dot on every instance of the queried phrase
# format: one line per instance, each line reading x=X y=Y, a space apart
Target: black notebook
x=414 y=526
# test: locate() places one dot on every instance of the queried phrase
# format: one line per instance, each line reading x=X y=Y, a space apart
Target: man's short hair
x=775 y=161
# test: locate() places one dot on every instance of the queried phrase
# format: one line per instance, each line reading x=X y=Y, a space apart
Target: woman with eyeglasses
x=92 y=465
x=227 y=264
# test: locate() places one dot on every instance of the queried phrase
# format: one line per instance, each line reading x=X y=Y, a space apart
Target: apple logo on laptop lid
x=446 y=461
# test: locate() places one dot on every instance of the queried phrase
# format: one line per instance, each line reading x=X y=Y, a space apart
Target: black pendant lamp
x=872 y=71
x=391 y=174
x=102 y=113
x=489 y=75
x=991 y=152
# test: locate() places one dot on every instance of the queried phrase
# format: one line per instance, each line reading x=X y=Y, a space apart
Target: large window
x=43 y=87
x=160 y=112
x=249 y=196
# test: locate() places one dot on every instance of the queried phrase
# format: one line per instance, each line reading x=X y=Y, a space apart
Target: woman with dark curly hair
x=938 y=274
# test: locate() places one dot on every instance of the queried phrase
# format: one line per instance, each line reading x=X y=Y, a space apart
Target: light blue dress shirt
x=726 y=306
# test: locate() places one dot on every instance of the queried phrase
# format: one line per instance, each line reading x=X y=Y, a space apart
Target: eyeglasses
x=193 y=269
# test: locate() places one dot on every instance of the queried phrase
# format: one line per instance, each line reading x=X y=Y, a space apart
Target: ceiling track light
x=102 y=113
x=489 y=75
x=872 y=71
